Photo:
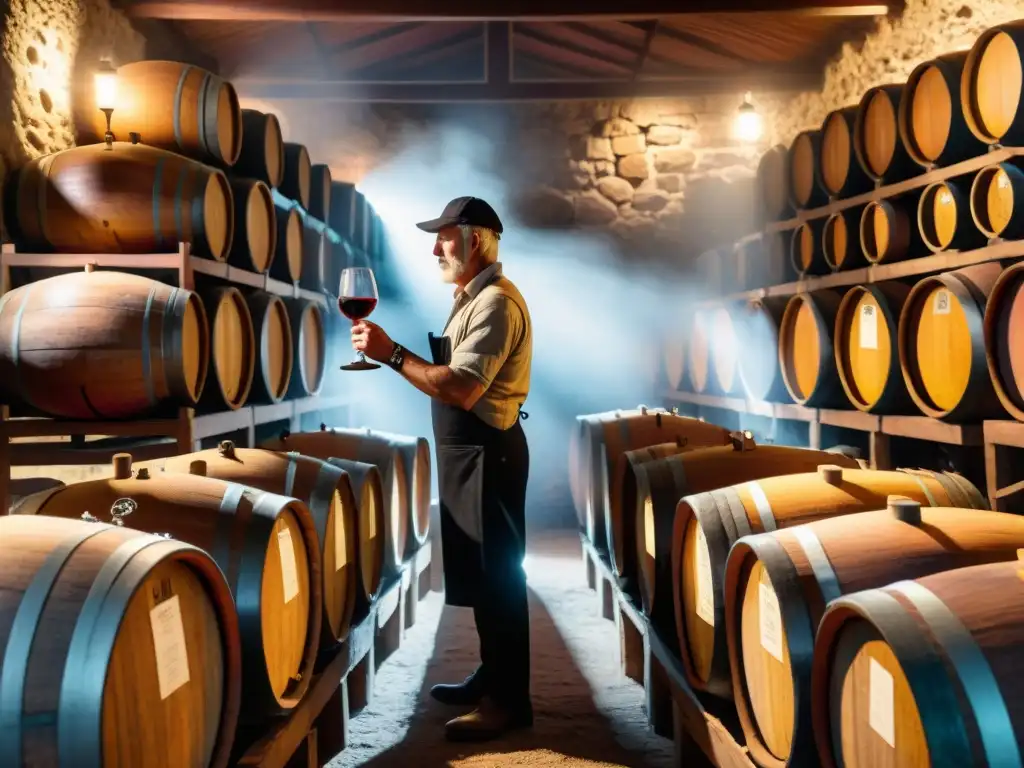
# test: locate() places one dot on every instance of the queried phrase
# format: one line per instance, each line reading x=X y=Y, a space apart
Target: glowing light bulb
x=749 y=125
x=106 y=87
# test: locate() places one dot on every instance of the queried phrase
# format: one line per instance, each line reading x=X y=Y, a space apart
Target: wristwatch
x=397 y=357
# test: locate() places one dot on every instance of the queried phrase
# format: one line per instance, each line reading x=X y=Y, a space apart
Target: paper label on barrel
x=881 y=711
x=869 y=327
x=649 y=527
x=940 y=304
x=771 y=621
x=340 y=550
x=169 y=646
x=289 y=569
x=705 y=596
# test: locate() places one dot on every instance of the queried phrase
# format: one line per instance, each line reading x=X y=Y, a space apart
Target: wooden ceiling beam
x=494 y=91
x=473 y=10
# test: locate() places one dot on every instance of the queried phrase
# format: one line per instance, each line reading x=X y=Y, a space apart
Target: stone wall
x=50 y=49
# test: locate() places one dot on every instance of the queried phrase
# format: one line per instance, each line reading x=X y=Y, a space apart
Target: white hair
x=488 y=242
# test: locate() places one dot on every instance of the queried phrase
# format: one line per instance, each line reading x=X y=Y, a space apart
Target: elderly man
x=477 y=381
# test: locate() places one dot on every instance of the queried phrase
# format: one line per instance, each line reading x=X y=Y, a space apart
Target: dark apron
x=481 y=474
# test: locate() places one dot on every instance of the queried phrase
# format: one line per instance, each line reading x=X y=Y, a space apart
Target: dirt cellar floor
x=586 y=713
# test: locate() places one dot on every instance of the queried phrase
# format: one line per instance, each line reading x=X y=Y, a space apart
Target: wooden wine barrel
x=102 y=345
x=931 y=119
x=990 y=88
x=131 y=199
x=773 y=184
x=758 y=364
x=255 y=237
x=368 y=491
x=624 y=498
x=232 y=349
x=272 y=332
x=118 y=648
x=287 y=262
x=581 y=463
x=325 y=489
x=674 y=345
x=265 y=544
x=699 y=350
x=942 y=345
x=838 y=170
x=262 y=155
x=366 y=446
x=298 y=172
x=175 y=106
x=805 y=190
x=726 y=353
x=889 y=231
x=308 y=347
x=805 y=249
x=1004 y=339
x=778 y=585
x=876 y=136
x=840 y=241
x=707 y=525
x=944 y=217
x=415 y=453
x=337 y=335
x=940 y=656
x=995 y=192
x=314 y=257
x=663 y=482
x=320 y=191
x=806 y=356
x=866 y=349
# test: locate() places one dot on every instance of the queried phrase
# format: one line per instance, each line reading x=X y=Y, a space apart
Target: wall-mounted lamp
x=106 y=95
x=749 y=125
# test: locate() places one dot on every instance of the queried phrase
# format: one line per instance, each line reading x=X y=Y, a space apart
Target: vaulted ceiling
x=465 y=50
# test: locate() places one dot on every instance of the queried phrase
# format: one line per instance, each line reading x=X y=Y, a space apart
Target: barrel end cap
x=905 y=510
x=197 y=467
x=122 y=466
x=831 y=474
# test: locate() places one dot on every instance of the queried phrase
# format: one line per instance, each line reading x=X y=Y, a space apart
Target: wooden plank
x=864 y=422
x=470 y=10
x=1009 y=433
x=924 y=428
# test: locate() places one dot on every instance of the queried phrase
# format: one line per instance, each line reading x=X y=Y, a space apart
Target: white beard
x=451 y=269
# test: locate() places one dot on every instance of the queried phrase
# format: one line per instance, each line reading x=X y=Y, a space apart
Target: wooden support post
x=359 y=683
x=331 y=726
x=631 y=646
x=588 y=563
x=657 y=694
x=606 y=596
x=878 y=446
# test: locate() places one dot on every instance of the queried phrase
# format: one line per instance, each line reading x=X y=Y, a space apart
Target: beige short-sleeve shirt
x=492 y=341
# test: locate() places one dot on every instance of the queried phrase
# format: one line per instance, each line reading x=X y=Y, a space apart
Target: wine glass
x=357 y=298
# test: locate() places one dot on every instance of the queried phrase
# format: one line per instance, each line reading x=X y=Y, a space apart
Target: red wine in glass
x=357 y=298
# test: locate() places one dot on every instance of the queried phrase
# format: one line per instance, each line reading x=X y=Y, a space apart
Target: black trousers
x=501 y=610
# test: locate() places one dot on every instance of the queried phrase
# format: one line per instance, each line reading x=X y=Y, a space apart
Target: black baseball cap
x=471 y=211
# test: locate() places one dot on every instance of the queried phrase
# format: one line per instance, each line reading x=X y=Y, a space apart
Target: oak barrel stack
x=295 y=184
x=1004 y=339
x=876 y=136
x=177 y=107
x=931 y=119
x=942 y=344
x=272 y=331
x=320 y=191
x=866 y=348
x=840 y=240
x=324 y=489
x=806 y=354
x=758 y=363
x=368 y=491
x=806 y=250
x=839 y=172
x=805 y=190
x=266 y=545
x=996 y=198
x=944 y=218
x=940 y=658
x=130 y=199
x=90 y=662
x=662 y=483
x=309 y=347
x=288 y=258
x=707 y=525
x=889 y=229
x=254 y=242
x=232 y=349
x=990 y=88
x=102 y=345
x=368 y=447
x=773 y=184
x=262 y=154
x=779 y=584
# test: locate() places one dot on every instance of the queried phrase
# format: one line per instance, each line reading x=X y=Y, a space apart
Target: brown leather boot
x=488 y=721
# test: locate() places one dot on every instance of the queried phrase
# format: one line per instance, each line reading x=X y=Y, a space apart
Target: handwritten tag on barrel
x=169 y=646
x=881 y=714
x=289 y=569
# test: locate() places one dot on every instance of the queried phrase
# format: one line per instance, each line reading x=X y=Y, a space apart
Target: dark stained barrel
x=805 y=190
x=297 y=178
x=876 y=136
x=255 y=235
x=838 y=170
x=272 y=332
x=997 y=201
x=262 y=155
x=1004 y=339
x=840 y=240
x=944 y=216
x=773 y=184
